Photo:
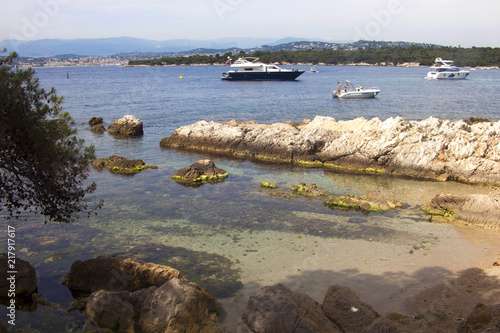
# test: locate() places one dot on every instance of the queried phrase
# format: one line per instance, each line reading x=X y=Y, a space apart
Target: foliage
x=43 y=165
x=475 y=56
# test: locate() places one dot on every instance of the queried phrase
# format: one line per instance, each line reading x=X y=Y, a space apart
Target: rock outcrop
x=431 y=148
x=121 y=165
x=201 y=171
x=25 y=281
x=96 y=125
x=475 y=209
x=132 y=296
x=127 y=126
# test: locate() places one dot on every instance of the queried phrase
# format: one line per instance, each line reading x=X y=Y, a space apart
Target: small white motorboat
x=355 y=92
x=444 y=69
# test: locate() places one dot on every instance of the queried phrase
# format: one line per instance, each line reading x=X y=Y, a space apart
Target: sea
x=234 y=237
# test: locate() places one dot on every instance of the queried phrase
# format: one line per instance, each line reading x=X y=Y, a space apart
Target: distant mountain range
x=143 y=48
x=112 y=46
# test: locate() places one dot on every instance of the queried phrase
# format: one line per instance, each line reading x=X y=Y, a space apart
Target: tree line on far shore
x=425 y=56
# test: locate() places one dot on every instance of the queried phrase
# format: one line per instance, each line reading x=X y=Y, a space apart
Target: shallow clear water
x=235 y=228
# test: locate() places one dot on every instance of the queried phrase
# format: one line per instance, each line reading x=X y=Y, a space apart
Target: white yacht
x=355 y=92
x=444 y=69
x=251 y=69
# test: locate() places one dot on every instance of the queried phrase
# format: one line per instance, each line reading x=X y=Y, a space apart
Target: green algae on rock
x=474 y=209
x=200 y=172
x=310 y=190
x=372 y=202
x=121 y=165
x=268 y=185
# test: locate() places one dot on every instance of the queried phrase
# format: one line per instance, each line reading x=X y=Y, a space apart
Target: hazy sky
x=447 y=22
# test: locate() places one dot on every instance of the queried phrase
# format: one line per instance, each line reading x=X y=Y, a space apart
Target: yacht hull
x=448 y=75
x=261 y=76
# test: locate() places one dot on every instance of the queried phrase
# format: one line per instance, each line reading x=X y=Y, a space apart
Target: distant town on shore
x=380 y=53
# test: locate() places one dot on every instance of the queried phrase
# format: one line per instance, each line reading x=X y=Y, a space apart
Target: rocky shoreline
x=428 y=149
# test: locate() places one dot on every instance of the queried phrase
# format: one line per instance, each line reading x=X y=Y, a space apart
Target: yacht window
x=249 y=69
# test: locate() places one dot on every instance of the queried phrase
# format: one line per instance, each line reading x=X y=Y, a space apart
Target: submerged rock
x=475 y=209
x=431 y=148
x=127 y=126
x=121 y=165
x=201 y=171
x=374 y=201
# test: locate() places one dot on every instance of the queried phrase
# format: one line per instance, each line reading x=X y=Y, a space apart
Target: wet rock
x=201 y=171
x=475 y=209
x=374 y=201
x=95 y=121
x=99 y=128
x=343 y=307
x=115 y=274
x=127 y=126
x=277 y=309
x=310 y=190
x=268 y=185
x=25 y=277
x=121 y=165
x=431 y=148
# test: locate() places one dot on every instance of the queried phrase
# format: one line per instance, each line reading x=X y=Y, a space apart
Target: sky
x=445 y=22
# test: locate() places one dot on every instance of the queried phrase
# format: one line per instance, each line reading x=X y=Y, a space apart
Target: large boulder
x=115 y=274
x=342 y=306
x=175 y=306
x=25 y=280
x=127 y=126
x=475 y=209
x=277 y=309
x=126 y=295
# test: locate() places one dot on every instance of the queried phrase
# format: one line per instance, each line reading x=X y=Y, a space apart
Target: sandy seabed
x=428 y=267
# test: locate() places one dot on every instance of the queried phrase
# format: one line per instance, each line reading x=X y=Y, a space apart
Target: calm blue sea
x=146 y=212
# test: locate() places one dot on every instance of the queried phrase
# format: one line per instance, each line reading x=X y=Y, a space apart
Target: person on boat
x=345 y=87
x=339 y=86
